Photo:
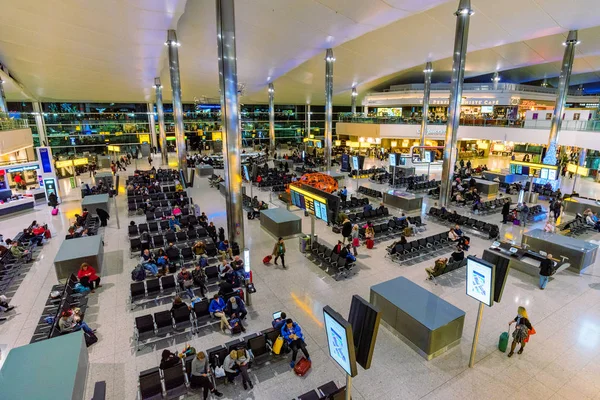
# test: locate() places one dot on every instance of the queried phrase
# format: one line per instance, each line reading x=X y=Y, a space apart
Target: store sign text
x=464 y=102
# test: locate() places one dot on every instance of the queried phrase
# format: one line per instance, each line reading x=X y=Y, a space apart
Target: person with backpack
x=199 y=278
x=147 y=261
x=524 y=214
x=279 y=251
x=292 y=334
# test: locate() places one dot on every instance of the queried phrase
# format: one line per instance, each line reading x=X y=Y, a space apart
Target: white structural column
x=329 y=60
x=173 y=47
x=463 y=15
x=230 y=117
x=353 y=101
x=495 y=80
x=426 y=95
x=39 y=123
x=161 y=121
x=3 y=105
x=151 y=124
x=272 y=118
x=561 y=97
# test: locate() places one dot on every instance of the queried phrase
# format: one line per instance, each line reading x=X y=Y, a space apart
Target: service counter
x=107 y=178
x=402 y=200
x=36 y=194
x=74 y=252
x=486 y=188
x=503 y=178
x=580 y=254
x=280 y=222
x=520 y=259
x=428 y=323
x=223 y=190
x=577 y=205
x=13 y=206
x=95 y=201
x=53 y=369
x=205 y=170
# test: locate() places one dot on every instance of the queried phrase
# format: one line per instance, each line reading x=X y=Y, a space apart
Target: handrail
x=9 y=124
x=502 y=87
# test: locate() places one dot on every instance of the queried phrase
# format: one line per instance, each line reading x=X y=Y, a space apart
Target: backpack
x=203 y=262
x=138 y=274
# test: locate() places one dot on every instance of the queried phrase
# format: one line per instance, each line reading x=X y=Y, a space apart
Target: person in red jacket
x=87 y=276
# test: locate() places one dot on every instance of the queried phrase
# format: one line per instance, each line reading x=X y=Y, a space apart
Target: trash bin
x=304 y=243
x=533 y=198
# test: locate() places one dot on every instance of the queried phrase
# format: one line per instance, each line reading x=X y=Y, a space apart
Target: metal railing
x=8 y=124
x=591 y=125
x=502 y=87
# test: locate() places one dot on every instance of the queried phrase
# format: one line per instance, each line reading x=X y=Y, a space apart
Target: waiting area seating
x=483 y=228
x=575 y=227
x=422 y=186
x=421 y=248
x=354 y=202
x=370 y=192
x=323 y=256
x=449 y=267
x=369 y=215
x=491 y=206
x=328 y=391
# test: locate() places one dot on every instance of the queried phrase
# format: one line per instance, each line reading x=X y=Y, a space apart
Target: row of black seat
x=421 y=186
x=491 y=230
x=186 y=222
x=353 y=203
x=325 y=257
x=535 y=212
x=491 y=206
x=161 y=213
x=131 y=198
x=370 y=192
x=450 y=266
x=363 y=172
x=13 y=270
x=369 y=215
x=420 y=247
x=575 y=227
x=179 y=252
x=133 y=206
x=393 y=228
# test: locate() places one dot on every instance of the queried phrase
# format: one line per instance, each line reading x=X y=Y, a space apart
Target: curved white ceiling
x=111 y=50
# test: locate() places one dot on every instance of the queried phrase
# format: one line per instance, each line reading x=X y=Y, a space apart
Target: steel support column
x=353 y=101
x=561 y=97
x=173 y=46
x=272 y=118
x=230 y=117
x=463 y=15
x=161 y=122
x=152 y=124
x=426 y=94
x=39 y=123
x=329 y=60
x=307 y=133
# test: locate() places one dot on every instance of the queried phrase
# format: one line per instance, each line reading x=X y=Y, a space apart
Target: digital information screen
x=392 y=160
x=313 y=204
x=480 y=280
x=339 y=340
x=544 y=173
x=246 y=174
x=427 y=157
x=552 y=174
x=355 y=163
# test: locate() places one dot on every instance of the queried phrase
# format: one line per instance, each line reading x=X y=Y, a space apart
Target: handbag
x=355 y=242
x=219 y=372
x=188 y=283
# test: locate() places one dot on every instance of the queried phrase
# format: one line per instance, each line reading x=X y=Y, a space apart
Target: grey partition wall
x=280 y=222
x=74 y=252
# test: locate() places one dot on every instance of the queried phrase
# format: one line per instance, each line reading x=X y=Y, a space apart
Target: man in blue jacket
x=217 y=309
x=292 y=334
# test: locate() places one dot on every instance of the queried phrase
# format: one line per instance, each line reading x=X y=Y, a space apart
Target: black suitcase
x=90 y=339
x=336 y=229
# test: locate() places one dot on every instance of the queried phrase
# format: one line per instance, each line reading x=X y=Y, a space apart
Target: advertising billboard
x=480 y=280
x=309 y=202
x=340 y=340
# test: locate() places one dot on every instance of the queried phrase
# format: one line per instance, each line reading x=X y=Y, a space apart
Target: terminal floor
x=561 y=361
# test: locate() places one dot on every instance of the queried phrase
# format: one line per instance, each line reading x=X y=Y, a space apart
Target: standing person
x=103 y=215
x=524 y=214
x=546 y=270
x=53 y=200
x=344 y=194
x=355 y=239
x=346 y=230
x=522 y=331
x=292 y=334
x=200 y=377
x=279 y=251
x=150 y=159
x=505 y=211
x=557 y=208
x=88 y=272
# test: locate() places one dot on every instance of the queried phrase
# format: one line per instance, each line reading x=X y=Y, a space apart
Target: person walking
x=557 y=208
x=344 y=194
x=103 y=215
x=279 y=251
x=524 y=214
x=505 y=211
x=355 y=239
x=522 y=331
x=546 y=270
x=346 y=230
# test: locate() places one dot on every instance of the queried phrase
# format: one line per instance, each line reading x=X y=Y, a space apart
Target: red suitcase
x=302 y=367
x=267 y=259
x=370 y=243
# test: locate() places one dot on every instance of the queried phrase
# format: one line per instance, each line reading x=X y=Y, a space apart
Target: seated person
x=381 y=207
x=186 y=281
x=338 y=247
x=278 y=323
x=177 y=212
x=4 y=307
x=172 y=253
x=87 y=277
x=29 y=236
x=225 y=287
x=178 y=303
x=217 y=310
x=439 y=265
x=367 y=208
x=350 y=258
x=224 y=249
x=452 y=235
x=199 y=278
x=17 y=250
x=174 y=224
x=162 y=260
x=148 y=262
x=236 y=305
x=168 y=359
x=199 y=248
x=234 y=367
x=224 y=269
x=238 y=267
x=70 y=322
x=292 y=334
x=200 y=375
x=458 y=254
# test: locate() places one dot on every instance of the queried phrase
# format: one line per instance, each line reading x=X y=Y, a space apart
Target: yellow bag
x=278 y=345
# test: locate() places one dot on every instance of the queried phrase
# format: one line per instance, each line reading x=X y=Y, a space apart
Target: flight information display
x=309 y=202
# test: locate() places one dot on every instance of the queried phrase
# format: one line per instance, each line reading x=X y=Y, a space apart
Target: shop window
x=576 y=116
x=548 y=116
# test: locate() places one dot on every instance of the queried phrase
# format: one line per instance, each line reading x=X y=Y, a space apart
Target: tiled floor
x=560 y=362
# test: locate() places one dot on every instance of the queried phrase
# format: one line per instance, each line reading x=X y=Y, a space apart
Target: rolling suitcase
x=267 y=259
x=55 y=211
x=370 y=243
x=503 y=341
x=302 y=367
x=336 y=229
